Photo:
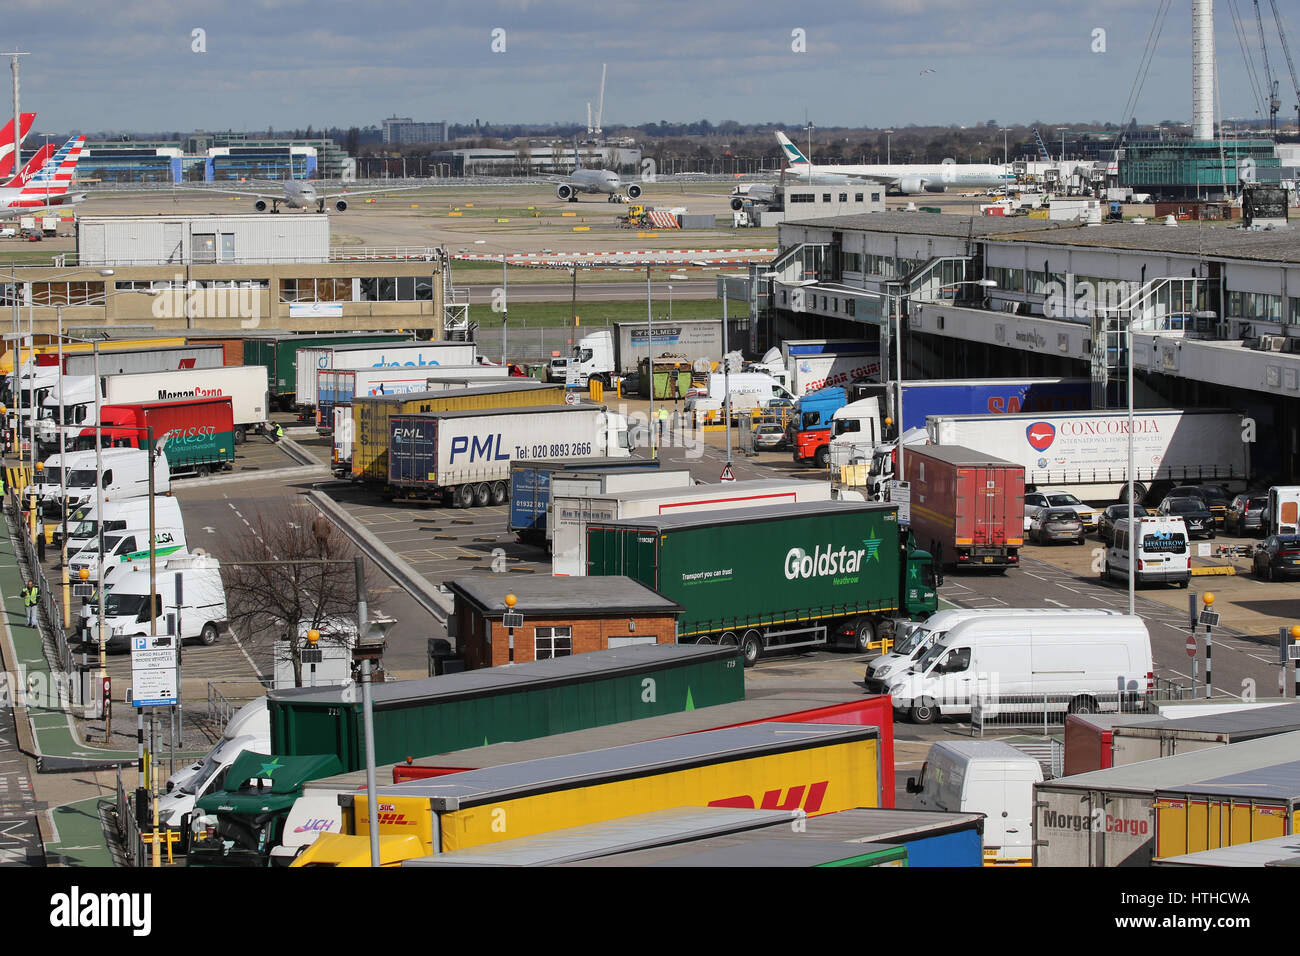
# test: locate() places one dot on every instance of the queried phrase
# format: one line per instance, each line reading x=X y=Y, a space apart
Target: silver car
x=1056 y=524
x=1246 y=515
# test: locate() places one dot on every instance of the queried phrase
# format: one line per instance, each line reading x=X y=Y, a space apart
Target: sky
x=150 y=65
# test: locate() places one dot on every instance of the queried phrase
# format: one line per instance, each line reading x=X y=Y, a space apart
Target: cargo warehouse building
x=172 y=273
x=1215 y=310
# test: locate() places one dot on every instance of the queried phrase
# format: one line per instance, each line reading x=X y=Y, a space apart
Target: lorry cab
x=253 y=719
x=177 y=804
x=988 y=777
x=78 y=395
x=126 y=547
x=852 y=425
x=1160 y=547
x=593 y=357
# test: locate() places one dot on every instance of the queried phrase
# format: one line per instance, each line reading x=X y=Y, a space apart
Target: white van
x=127 y=547
x=253 y=719
x=988 y=777
x=1078 y=662
x=132 y=513
x=921 y=637
x=1163 y=552
x=202 y=614
x=749 y=390
x=1282 y=515
x=126 y=475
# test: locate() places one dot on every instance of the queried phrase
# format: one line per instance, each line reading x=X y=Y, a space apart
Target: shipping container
x=277 y=353
x=240 y=384
x=232 y=346
x=531 y=487
x=967 y=508
x=335 y=387
x=816 y=768
x=199 y=432
x=1086 y=453
x=370 y=414
x=1236 y=808
x=570 y=516
x=521 y=702
x=813 y=364
x=1165 y=737
x=411 y=356
x=164 y=358
x=1107 y=817
x=463 y=457
x=929 y=839
x=1089 y=740
x=784 y=576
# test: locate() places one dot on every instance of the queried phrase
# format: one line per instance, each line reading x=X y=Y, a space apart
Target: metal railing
x=221 y=708
x=1048 y=710
x=128 y=830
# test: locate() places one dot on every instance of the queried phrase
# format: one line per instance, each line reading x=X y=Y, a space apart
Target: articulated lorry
x=277 y=354
x=967 y=508
x=1086 y=453
x=335 y=388
x=533 y=483
x=805 y=366
x=463 y=457
x=601 y=355
x=411 y=356
x=199 y=432
x=785 y=576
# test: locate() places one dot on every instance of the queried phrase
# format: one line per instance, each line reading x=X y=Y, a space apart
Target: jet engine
x=935 y=187
x=633 y=191
x=737 y=203
x=564 y=191
x=260 y=205
x=910 y=185
x=341 y=205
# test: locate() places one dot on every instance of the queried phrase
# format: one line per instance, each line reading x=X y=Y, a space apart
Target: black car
x=1194 y=513
x=1113 y=513
x=1278 y=557
x=1214 y=497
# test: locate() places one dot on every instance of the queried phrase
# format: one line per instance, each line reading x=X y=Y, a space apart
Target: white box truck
x=1086 y=453
x=463 y=457
x=201 y=613
x=596 y=484
x=125 y=475
x=412 y=356
x=602 y=354
x=570 y=515
x=245 y=385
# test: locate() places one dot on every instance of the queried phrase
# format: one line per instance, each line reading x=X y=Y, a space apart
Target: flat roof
x=413 y=343
x=509 y=781
x=569 y=595
x=929 y=224
x=1256 y=853
x=1188 y=238
x=731 y=516
x=1239 y=724
x=502 y=386
x=957 y=455
x=1276 y=782
x=691 y=492
x=611 y=735
x=594 y=664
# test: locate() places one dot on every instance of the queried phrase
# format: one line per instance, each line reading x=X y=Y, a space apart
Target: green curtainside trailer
x=278 y=354
x=524 y=701
x=784 y=576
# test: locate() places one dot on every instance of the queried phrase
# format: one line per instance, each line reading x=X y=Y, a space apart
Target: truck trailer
x=411 y=356
x=531 y=489
x=601 y=355
x=1086 y=453
x=335 y=388
x=369 y=435
x=463 y=457
x=199 y=432
x=967 y=508
x=277 y=352
x=241 y=384
x=785 y=576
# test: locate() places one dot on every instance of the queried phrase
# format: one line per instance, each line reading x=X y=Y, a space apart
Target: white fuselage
x=928 y=177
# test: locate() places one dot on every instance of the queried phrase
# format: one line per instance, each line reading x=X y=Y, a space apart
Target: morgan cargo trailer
x=571 y=514
x=1086 y=453
x=241 y=384
x=200 y=432
x=967 y=508
x=785 y=576
x=463 y=457
x=369 y=434
x=411 y=356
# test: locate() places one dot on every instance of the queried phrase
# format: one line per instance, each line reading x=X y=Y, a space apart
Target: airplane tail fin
x=792 y=155
x=32 y=166
x=7 y=141
x=54 y=178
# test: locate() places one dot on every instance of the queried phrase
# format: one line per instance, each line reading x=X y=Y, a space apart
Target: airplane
x=605 y=181
x=7 y=141
x=301 y=193
x=49 y=186
x=908 y=179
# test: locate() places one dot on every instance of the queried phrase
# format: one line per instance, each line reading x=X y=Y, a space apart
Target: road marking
x=1057 y=603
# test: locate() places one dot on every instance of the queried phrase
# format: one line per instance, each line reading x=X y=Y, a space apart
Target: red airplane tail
x=32 y=166
x=7 y=142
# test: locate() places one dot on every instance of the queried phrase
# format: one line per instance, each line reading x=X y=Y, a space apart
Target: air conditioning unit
x=1271 y=343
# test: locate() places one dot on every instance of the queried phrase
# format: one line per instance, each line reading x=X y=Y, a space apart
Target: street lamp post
x=650 y=360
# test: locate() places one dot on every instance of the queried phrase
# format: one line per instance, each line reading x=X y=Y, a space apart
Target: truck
x=277 y=352
x=601 y=355
x=69 y=479
x=50 y=225
x=411 y=356
x=811 y=365
x=520 y=702
x=571 y=515
x=853 y=433
x=967 y=508
x=361 y=451
x=1086 y=453
x=823 y=768
x=200 y=432
x=241 y=384
x=335 y=388
x=1230 y=810
x=463 y=457
x=785 y=576
x=530 y=489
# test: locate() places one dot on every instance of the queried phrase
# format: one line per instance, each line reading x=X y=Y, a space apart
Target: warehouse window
x=395 y=289
x=826 y=197
x=844 y=197
x=67 y=293
x=549 y=642
x=204 y=247
x=802 y=197
x=857 y=197
x=875 y=197
x=1293 y=316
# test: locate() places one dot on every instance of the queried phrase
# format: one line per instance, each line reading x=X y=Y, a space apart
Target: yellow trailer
x=803 y=769
x=1228 y=811
x=370 y=415
x=106 y=346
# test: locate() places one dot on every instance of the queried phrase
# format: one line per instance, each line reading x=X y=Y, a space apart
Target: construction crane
x=1274 y=101
x=1290 y=63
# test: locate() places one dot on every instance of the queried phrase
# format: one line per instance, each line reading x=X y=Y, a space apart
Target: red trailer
x=199 y=431
x=968 y=508
x=1090 y=739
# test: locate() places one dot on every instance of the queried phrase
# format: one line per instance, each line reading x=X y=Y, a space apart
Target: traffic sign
x=1191 y=646
x=154 y=671
x=727 y=473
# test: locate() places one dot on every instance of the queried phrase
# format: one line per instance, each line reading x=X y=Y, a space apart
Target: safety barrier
x=1047 y=710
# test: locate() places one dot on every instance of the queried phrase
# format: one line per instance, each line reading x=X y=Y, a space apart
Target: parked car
x=1278 y=557
x=1194 y=513
x=1056 y=524
x=1112 y=513
x=1246 y=515
x=1048 y=498
x=557 y=369
x=1214 y=497
x=768 y=436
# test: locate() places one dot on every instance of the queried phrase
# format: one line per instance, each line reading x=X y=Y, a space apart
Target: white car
x=1050 y=498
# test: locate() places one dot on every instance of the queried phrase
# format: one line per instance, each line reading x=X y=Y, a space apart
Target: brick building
x=562 y=616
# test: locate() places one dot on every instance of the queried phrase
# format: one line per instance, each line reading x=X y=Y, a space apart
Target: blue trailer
x=530 y=489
